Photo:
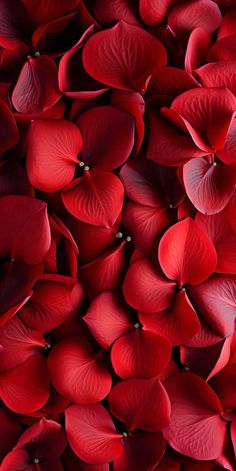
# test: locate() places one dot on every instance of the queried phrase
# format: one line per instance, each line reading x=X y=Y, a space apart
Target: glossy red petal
x=92 y=434
x=197 y=48
x=140 y=354
x=209 y=111
x=96 y=198
x=195 y=429
x=187 y=16
x=140 y=404
x=107 y=318
x=46 y=11
x=145 y=289
x=25 y=226
x=140 y=451
x=123 y=57
x=153 y=13
x=18 y=343
x=25 y=389
x=102 y=128
x=37 y=86
x=9 y=135
x=209 y=187
x=186 y=254
x=52 y=150
x=219 y=230
x=49 y=306
x=178 y=323
x=218 y=74
x=77 y=372
x=216 y=300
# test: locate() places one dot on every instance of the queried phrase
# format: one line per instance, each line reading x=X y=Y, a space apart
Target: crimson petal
x=140 y=452
x=46 y=11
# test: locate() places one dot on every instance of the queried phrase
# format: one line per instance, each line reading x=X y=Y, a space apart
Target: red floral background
x=117 y=235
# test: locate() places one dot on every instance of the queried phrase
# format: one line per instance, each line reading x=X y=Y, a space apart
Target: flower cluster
x=118 y=235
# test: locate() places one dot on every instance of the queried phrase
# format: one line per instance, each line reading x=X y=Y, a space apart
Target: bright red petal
x=197 y=48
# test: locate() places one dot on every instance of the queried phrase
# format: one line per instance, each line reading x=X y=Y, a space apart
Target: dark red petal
x=108 y=12
x=9 y=433
x=140 y=452
x=228 y=153
x=106 y=272
x=72 y=462
x=216 y=300
x=178 y=323
x=37 y=86
x=9 y=135
x=25 y=226
x=223 y=50
x=153 y=13
x=18 y=343
x=199 y=432
x=49 y=306
x=197 y=48
x=77 y=372
x=219 y=230
x=92 y=434
x=14 y=24
x=145 y=289
x=140 y=354
x=25 y=389
x=52 y=150
x=45 y=439
x=228 y=25
x=187 y=16
x=14 y=180
x=107 y=318
x=209 y=111
x=167 y=145
x=186 y=254
x=140 y=404
x=209 y=187
x=102 y=128
x=218 y=74
x=171 y=81
x=96 y=198
x=233 y=435
x=224 y=385
x=46 y=11
x=123 y=57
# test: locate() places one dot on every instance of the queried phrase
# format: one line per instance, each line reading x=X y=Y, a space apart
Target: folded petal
x=209 y=187
x=145 y=289
x=216 y=300
x=186 y=254
x=37 y=87
x=140 y=354
x=218 y=74
x=140 y=404
x=92 y=434
x=107 y=318
x=77 y=372
x=49 y=306
x=102 y=128
x=196 y=429
x=178 y=323
x=25 y=389
x=95 y=198
x=52 y=150
x=197 y=48
x=123 y=57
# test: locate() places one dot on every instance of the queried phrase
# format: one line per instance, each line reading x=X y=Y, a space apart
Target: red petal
x=233 y=435
x=171 y=81
x=178 y=323
x=14 y=24
x=153 y=13
x=17 y=460
x=108 y=12
x=102 y=128
x=25 y=226
x=228 y=24
x=223 y=50
x=145 y=289
x=92 y=434
x=52 y=152
x=188 y=16
x=219 y=230
x=140 y=404
x=141 y=452
x=46 y=11
x=186 y=254
x=13 y=179
x=125 y=56
x=209 y=188
x=37 y=87
x=224 y=385
x=216 y=300
x=45 y=439
x=106 y=272
x=77 y=372
x=228 y=153
x=199 y=432
x=9 y=135
x=218 y=74
x=209 y=111
x=25 y=389
x=10 y=431
x=140 y=354
x=197 y=48
x=107 y=318
x=18 y=343
x=72 y=462
x=50 y=306
x=96 y=198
